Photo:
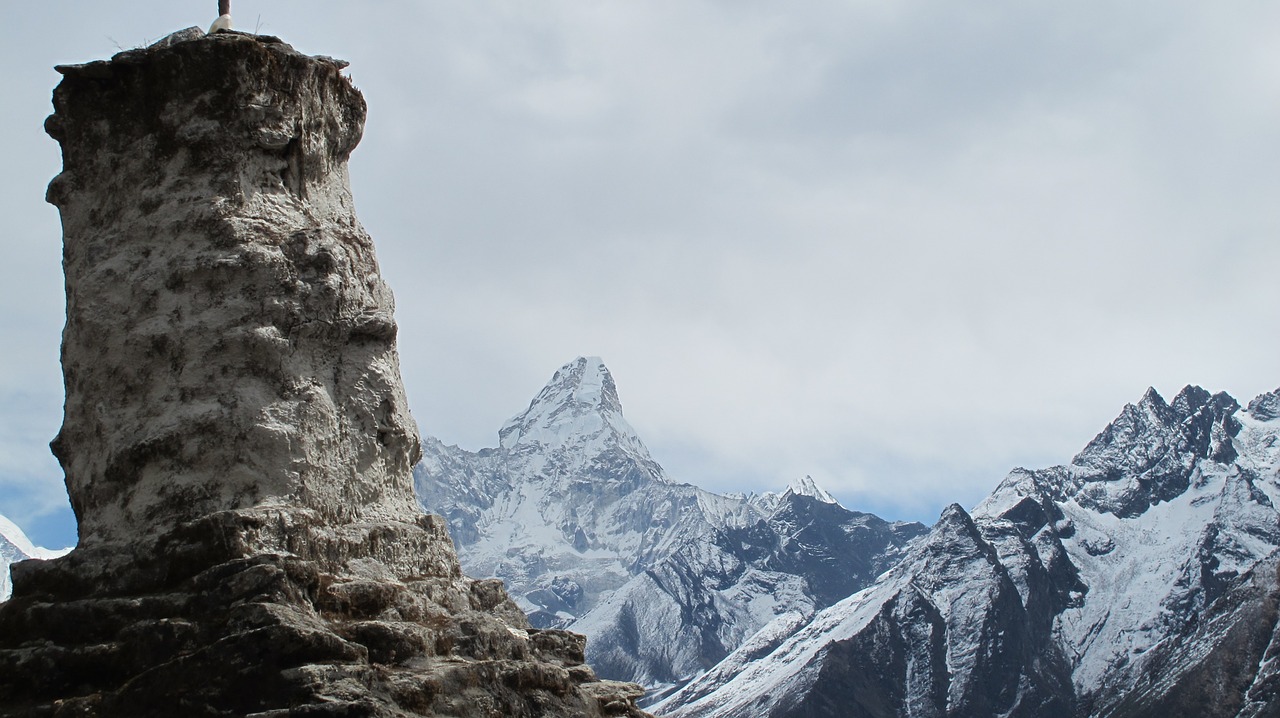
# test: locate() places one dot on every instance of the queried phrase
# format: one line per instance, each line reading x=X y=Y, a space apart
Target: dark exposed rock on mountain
x=236 y=442
x=664 y=578
x=1139 y=581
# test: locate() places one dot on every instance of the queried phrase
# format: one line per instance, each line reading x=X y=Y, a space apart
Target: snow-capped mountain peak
x=580 y=402
x=1137 y=581
x=771 y=501
x=663 y=577
x=808 y=487
x=1143 y=457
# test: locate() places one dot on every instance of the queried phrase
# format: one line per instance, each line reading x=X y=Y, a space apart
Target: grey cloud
x=844 y=236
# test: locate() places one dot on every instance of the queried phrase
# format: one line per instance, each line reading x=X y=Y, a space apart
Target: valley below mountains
x=1139 y=579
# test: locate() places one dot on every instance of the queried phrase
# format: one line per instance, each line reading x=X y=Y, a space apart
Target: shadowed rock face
x=236 y=441
x=1138 y=581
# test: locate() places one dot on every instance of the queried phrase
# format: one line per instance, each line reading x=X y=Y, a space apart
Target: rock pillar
x=236 y=443
x=229 y=341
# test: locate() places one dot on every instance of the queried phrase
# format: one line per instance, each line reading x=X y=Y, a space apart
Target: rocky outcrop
x=236 y=442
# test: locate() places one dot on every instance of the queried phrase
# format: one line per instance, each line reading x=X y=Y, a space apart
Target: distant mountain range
x=1138 y=580
x=664 y=578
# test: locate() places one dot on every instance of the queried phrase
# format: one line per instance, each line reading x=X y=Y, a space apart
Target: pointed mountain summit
x=1143 y=457
x=580 y=401
x=1138 y=581
x=771 y=502
x=583 y=386
x=664 y=578
x=808 y=487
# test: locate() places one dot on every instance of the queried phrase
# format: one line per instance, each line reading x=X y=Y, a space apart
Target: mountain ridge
x=1119 y=584
x=665 y=578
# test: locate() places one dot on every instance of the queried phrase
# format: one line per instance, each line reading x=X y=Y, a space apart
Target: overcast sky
x=902 y=246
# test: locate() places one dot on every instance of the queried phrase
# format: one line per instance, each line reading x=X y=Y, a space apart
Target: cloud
x=851 y=239
x=31 y=489
x=808 y=232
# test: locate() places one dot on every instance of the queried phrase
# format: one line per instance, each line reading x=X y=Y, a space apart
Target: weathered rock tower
x=236 y=441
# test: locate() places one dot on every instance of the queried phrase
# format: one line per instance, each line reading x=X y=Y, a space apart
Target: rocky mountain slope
x=15 y=547
x=1138 y=580
x=664 y=578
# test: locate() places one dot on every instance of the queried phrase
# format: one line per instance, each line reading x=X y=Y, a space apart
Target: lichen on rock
x=236 y=442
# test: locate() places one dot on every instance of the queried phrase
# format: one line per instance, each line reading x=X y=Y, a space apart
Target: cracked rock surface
x=236 y=442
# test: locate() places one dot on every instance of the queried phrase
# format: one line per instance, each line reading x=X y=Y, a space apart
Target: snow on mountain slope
x=15 y=547
x=570 y=493
x=769 y=500
x=891 y=649
x=588 y=532
x=690 y=609
x=1139 y=580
